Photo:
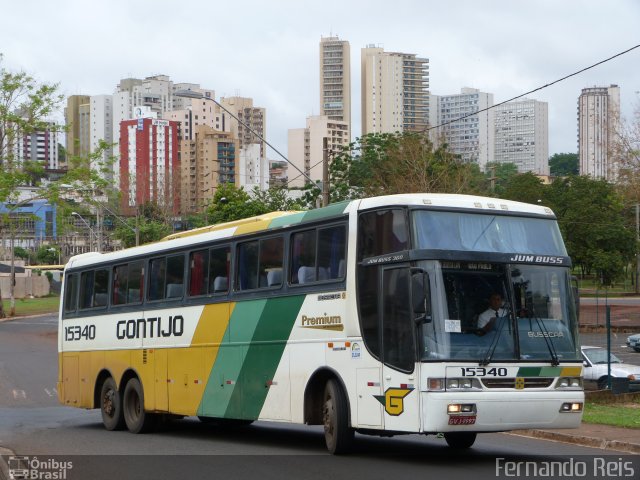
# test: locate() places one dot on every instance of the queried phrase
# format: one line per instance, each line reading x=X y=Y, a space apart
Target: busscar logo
x=393 y=400
x=323 y=322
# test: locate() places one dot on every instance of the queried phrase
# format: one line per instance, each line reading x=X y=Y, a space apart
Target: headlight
x=569 y=382
x=464 y=383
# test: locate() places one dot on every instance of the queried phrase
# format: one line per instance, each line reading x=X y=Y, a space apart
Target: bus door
x=400 y=373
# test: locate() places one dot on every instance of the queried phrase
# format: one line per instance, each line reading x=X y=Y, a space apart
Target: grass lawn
x=33 y=306
x=617 y=415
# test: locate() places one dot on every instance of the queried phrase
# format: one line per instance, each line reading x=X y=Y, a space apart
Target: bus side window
x=70 y=293
x=157 y=269
x=101 y=288
x=119 y=286
x=136 y=282
x=271 y=257
x=303 y=257
x=175 y=276
x=198 y=272
x=219 y=267
x=86 y=290
x=331 y=248
x=247 y=266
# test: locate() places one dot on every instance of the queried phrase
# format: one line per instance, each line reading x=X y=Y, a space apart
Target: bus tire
x=111 y=405
x=137 y=420
x=460 y=439
x=338 y=435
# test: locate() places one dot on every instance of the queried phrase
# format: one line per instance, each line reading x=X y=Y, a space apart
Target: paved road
x=33 y=424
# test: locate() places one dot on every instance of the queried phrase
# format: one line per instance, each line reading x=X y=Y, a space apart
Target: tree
x=48 y=255
x=564 y=164
x=524 y=187
x=388 y=163
x=25 y=107
x=591 y=217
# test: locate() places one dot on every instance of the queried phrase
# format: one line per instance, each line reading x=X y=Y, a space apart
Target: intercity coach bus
x=361 y=316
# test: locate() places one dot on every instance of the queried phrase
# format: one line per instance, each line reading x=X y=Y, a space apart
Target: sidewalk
x=591 y=435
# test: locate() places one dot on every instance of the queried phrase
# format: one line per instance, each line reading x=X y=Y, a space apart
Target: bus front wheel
x=335 y=417
x=137 y=420
x=460 y=439
x=111 y=406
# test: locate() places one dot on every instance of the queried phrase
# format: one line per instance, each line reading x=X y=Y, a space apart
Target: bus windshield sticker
x=452 y=326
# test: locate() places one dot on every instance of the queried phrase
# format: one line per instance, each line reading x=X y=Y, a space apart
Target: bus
x=361 y=316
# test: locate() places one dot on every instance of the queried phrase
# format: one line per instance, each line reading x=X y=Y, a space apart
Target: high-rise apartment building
x=522 y=135
x=101 y=129
x=254 y=117
x=306 y=147
x=335 y=79
x=253 y=171
x=395 y=91
x=40 y=146
x=598 y=127
x=149 y=165
x=72 y=116
x=469 y=132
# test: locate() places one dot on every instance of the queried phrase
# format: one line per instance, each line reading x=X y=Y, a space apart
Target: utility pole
x=637 y=245
x=325 y=172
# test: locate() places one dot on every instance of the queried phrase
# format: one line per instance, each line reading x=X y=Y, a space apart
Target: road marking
x=19 y=394
x=51 y=393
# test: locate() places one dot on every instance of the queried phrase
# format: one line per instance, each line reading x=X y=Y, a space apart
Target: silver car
x=595 y=368
x=633 y=341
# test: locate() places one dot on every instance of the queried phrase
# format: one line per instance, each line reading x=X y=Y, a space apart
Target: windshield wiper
x=494 y=343
x=545 y=334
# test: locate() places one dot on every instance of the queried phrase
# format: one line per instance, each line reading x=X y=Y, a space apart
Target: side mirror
x=585 y=363
x=421 y=296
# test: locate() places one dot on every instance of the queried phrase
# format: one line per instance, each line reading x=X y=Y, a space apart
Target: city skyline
x=277 y=63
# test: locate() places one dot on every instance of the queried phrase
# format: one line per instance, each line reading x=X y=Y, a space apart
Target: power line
x=535 y=89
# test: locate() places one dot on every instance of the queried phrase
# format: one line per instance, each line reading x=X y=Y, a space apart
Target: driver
x=487 y=319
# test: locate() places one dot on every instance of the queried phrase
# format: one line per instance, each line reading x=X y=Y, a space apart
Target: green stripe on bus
x=287 y=220
x=223 y=379
x=261 y=362
x=333 y=210
x=539 y=371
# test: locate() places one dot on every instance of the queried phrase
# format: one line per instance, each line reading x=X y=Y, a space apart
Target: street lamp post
x=91 y=232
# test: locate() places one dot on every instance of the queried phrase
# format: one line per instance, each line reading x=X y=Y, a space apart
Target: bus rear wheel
x=460 y=439
x=137 y=420
x=111 y=406
x=335 y=417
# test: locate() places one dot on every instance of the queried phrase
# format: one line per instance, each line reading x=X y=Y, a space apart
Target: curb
x=4 y=468
x=23 y=317
x=601 y=443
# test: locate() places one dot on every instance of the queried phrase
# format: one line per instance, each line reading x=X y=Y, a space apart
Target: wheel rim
x=108 y=404
x=328 y=416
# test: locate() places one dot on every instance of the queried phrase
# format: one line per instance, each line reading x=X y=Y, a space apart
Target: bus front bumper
x=500 y=411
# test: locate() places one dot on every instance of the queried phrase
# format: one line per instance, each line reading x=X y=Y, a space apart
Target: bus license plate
x=467 y=420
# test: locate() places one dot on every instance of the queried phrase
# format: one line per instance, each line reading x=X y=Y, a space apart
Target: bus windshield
x=495 y=312
x=487 y=233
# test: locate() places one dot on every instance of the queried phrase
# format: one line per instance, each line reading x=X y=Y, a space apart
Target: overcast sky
x=268 y=50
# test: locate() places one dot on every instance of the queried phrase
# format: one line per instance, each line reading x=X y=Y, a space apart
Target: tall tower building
x=73 y=121
x=471 y=137
x=335 y=79
x=39 y=146
x=598 y=126
x=522 y=135
x=101 y=129
x=306 y=147
x=395 y=91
